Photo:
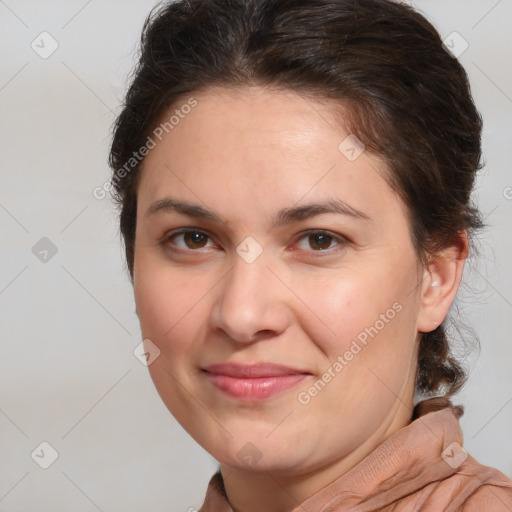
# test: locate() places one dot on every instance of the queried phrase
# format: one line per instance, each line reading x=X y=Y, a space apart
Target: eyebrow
x=284 y=216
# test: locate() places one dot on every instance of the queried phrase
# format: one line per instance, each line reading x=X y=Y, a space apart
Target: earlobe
x=441 y=281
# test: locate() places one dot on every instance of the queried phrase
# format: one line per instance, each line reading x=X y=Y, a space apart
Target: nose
x=251 y=303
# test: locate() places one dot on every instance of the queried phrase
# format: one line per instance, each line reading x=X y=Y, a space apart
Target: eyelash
x=340 y=240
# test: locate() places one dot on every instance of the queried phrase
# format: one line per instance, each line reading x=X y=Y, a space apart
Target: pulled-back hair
x=398 y=90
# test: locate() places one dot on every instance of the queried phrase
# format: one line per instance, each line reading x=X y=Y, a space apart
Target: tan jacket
x=422 y=467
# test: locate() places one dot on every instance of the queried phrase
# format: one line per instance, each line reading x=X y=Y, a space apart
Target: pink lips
x=253 y=382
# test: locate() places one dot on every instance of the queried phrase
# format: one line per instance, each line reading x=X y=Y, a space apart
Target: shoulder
x=469 y=486
x=489 y=498
x=481 y=488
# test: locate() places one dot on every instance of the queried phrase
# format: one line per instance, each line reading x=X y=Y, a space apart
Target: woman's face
x=250 y=251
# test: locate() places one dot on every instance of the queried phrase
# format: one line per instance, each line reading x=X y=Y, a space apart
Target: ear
x=441 y=281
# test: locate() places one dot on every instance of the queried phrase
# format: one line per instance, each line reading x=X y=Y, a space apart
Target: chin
x=260 y=454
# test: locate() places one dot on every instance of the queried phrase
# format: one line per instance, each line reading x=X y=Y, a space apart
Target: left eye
x=319 y=241
x=189 y=240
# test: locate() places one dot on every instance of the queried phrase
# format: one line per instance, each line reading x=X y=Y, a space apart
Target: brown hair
x=401 y=93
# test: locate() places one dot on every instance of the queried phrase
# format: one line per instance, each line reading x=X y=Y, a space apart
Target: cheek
x=364 y=322
x=171 y=314
x=369 y=360
x=349 y=307
x=167 y=300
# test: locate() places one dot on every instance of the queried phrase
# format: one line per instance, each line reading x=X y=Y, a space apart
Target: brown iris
x=194 y=239
x=320 y=241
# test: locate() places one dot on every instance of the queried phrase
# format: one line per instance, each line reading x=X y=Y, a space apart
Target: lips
x=253 y=382
x=252 y=371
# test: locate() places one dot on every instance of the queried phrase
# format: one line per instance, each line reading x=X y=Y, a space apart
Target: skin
x=245 y=154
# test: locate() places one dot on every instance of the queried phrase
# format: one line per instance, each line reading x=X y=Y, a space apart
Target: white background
x=68 y=328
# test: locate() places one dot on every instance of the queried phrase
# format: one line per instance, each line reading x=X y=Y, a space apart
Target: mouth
x=253 y=382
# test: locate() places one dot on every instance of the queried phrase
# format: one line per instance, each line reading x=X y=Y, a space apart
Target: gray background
x=68 y=328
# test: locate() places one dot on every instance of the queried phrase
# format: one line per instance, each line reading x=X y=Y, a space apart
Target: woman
x=294 y=179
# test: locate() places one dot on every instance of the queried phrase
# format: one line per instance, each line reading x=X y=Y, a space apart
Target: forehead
x=250 y=148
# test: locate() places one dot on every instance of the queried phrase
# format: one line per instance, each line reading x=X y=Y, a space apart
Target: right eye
x=186 y=240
